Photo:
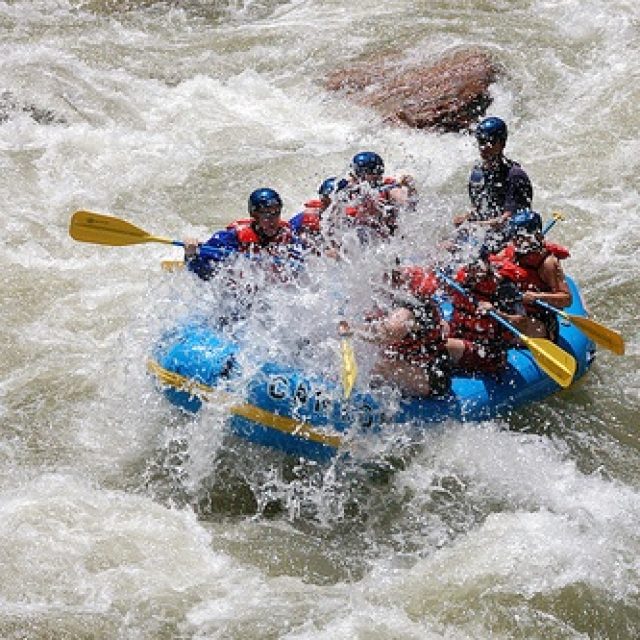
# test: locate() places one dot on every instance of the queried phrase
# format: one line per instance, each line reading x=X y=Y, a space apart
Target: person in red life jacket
x=371 y=201
x=534 y=266
x=477 y=343
x=306 y=225
x=498 y=187
x=263 y=233
x=411 y=336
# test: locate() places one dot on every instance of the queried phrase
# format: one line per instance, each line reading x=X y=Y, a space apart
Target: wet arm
x=552 y=274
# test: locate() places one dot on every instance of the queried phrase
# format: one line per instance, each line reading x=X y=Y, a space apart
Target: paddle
x=98 y=228
x=349 y=366
x=557 y=215
x=605 y=337
x=172 y=265
x=601 y=335
x=559 y=365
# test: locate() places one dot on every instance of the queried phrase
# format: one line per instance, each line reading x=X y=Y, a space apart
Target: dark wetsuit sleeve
x=215 y=250
x=519 y=192
x=476 y=187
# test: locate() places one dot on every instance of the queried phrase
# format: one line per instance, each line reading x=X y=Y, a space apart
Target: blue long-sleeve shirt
x=218 y=248
x=225 y=244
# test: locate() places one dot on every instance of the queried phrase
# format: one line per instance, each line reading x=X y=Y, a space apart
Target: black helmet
x=263 y=198
x=367 y=162
x=491 y=129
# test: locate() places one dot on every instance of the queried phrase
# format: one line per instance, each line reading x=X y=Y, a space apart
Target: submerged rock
x=9 y=105
x=448 y=95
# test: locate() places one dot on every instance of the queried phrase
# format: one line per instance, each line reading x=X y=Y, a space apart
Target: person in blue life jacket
x=372 y=201
x=498 y=187
x=263 y=234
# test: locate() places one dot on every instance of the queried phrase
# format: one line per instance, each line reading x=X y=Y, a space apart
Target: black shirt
x=504 y=187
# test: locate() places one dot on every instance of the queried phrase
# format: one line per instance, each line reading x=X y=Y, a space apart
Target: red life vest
x=311 y=216
x=384 y=189
x=560 y=252
x=524 y=270
x=423 y=346
x=420 y=282
x=466 y=321
x=351 y=212
x=427 y=342
x=388 y=183
x=382 y=221
x=557 y=250
x=251 y=242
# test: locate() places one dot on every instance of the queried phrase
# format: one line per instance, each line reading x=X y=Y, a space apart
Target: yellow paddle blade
x=172 y=265
x=605 y=337
x=554 y=361
x=349 y=367
x=97 y=228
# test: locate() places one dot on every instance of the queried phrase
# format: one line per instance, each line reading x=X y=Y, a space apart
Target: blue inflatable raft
x=279 y=406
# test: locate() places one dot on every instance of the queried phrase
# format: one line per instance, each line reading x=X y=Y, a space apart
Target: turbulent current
x=121 y=517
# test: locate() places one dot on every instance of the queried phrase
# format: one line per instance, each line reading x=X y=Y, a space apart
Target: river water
x=120 y=518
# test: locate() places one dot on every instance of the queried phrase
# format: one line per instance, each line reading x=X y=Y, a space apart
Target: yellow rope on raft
x=248 y=411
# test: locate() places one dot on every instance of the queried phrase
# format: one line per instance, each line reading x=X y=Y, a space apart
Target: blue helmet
x=327 y=187
x=525 y=221
x=367 y=162
x=263 y=198
x=491 y=129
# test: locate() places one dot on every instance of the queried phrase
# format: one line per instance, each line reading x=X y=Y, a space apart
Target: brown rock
x=447 y=96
